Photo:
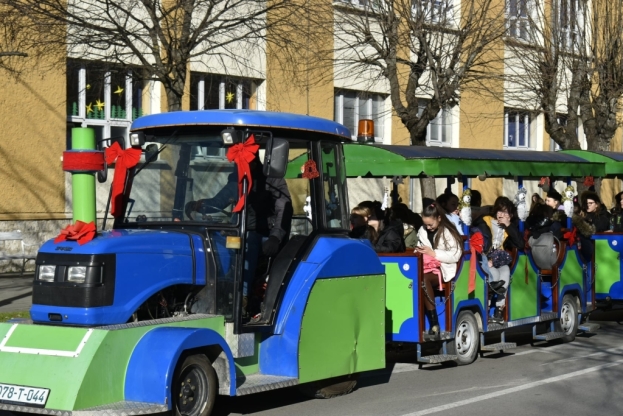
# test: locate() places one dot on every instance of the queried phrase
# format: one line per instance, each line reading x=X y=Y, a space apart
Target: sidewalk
x=15 y=292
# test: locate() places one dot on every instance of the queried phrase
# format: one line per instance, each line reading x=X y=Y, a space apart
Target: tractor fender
x=154 y=358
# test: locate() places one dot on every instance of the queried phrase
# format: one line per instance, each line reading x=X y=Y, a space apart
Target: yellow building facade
x=41 y=105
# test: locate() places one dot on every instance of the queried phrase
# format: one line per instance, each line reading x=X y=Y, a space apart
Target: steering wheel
x=193 y=205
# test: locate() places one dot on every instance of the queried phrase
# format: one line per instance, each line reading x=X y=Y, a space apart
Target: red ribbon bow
x=476 y=245
x=80 y=232
x=242 y=154
x=571 y=236
x=124 y=160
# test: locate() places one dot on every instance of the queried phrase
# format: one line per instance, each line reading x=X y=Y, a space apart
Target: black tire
x=465 y=344
x=330 y=388
x=194 y=386
x=568 y=322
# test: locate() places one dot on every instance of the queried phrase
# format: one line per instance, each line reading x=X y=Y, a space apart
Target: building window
x=516 y=129
x=352 y=106
x=439 y=130
x=104 y=98
x=569 y=20
x=434 y=11
x=213 y=92
x=519 y=19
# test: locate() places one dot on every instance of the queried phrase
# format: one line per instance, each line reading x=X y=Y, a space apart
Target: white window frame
x=519 y=20
x=221 y=93
x=435 y=11
x=527 y=119
x=379 y=122
x=570 y=36
x=445 y=114
x=107 y=122
x=443 y=120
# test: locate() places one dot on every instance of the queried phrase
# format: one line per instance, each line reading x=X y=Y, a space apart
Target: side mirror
x=276 y=158
x=151 y=152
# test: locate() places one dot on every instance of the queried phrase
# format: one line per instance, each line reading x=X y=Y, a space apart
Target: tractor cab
x=192 y=223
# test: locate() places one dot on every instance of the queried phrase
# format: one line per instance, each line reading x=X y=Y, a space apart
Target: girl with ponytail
x=441 y=248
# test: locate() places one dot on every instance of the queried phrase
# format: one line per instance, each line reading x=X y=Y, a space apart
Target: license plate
x=33 y=396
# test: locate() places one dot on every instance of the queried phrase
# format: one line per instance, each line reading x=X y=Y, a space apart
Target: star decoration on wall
x=229 y=97
x=89 y=108
x=119 y=90
x=100 y=104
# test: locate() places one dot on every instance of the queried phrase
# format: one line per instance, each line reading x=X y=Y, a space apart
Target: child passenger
x=441 y=249
x=501 y=232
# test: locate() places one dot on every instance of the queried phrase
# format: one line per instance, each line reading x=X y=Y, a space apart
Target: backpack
x=544 y=250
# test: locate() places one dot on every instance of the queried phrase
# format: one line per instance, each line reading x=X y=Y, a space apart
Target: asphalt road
x=579 y=378
x=15 y=293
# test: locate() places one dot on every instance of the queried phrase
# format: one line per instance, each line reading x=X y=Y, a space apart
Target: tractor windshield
x=187 y=178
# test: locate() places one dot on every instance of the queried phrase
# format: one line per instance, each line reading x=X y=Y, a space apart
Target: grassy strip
x=5 y=316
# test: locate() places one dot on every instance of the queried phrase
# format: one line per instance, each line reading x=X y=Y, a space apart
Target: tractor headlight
x=77 y=274
x=46 y=273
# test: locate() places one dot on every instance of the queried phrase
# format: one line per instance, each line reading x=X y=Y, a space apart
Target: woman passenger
x=359 y=227
x=450 y=204
x=536 y=201
x=616 y=215
x=593 y=219
x=440 y=241
x=501 y=232
x=594 y=212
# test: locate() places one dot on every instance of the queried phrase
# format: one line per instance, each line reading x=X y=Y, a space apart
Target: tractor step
x=588 y=327
x=494 y=326
x=500 y=346
x=257 y=383
x=436 y=359
x=548 y=336
x=441 y=337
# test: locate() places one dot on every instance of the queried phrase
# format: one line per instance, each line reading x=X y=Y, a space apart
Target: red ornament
x=309 y=170
x=124 y=160
x=476 y=243
x=544 y=181
x=242 y=154
x=589 y=181
x=80 y=232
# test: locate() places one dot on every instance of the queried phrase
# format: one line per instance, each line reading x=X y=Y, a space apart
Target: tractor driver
x=269 y=208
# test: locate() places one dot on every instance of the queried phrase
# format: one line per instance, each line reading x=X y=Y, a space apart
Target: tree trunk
x=429 y=190
x=174 y=100
x=427 y=185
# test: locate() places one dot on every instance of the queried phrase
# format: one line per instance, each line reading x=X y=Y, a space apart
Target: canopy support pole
x=519 y=186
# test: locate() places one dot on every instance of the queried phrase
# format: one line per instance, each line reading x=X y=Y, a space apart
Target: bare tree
x=567 y=60
x=159 y=38
x=425 y=51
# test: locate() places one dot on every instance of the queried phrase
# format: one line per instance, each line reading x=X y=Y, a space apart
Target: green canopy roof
x=384 y=160
x=612 y=161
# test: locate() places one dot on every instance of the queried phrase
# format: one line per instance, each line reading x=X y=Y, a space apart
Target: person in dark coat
x=594 y=212
x=269 y=215
x=359 y=227
x=544 y=219
x=593 y=219
x=616 y=214
x=411 y=223
x=390 y=233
